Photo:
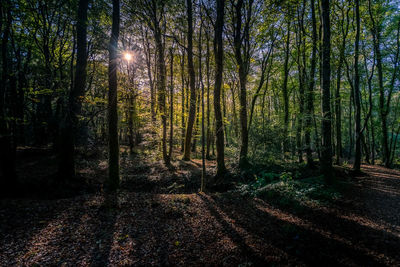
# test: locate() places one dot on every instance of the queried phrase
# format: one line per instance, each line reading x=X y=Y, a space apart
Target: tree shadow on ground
x=313 y=236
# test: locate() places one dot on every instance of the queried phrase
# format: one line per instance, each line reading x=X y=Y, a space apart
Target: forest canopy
x=245 y=81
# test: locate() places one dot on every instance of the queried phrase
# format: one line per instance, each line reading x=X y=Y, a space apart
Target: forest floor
x=159 y=218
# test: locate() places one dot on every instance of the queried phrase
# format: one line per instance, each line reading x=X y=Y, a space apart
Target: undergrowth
x=285 y=189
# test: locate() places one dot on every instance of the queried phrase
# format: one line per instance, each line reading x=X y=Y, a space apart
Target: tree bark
x=192 y=107
x=326 y=151
x=71 y=122
x=219 y=55
x=357 y=160
x=310 y=89
x=171 y=107
x=113 y=160
x=338 y=105
x=285 y=89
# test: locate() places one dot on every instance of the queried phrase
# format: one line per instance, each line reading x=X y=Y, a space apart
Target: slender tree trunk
x=310 y=90
x=113 y=160
x=357 y=160
x=326 y=151
x=208 y=94
x=219 y=55
x=146 y=45
x=130 y=122
x=203 y=162
x=301 y=69
x=171 y=106
x=192 y=108
x=183 y=99
x=338 y=105
x=285 y=89
x=376 y=35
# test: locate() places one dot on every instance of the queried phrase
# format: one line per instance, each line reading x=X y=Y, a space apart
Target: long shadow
x=235 y=236
x=41 y=232
x=104 y=233
x=311 y=245
x=19 y=223
x=147 y=230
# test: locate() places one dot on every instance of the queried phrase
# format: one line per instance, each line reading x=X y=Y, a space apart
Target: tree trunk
x=357 y=160
x=71 y=122
x=8 y=174
x=208 y=94
x=113 y=160
x=326 y=151
x=310 y=93
x=285 y=90
x=183 y=99
x=219 y=55
x=171 y=107
x=192 y=108
x=338 y=105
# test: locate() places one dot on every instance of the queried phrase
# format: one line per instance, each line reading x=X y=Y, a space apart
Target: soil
x=159 y=218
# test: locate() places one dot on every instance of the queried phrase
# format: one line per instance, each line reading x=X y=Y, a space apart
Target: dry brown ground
x=147 y=226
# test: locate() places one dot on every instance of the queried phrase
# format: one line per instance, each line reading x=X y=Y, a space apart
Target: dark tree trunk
x=71 y=121
x=192 y=108
x=171 y=107
x=208 y=94
x=326 y=149
x=183 y=100
x=357 y=160
x=8 y=174
x=203 y=162
x=113 y=160
x=146 y=45
x=338 y=105
x=310 y=91
x=219 y=55
x=301 y=69
x=285 y=90
x=242 y=56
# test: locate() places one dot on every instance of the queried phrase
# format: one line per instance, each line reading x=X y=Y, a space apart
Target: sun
x=128 y=56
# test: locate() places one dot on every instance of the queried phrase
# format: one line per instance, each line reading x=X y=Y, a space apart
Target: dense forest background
x=254 y=82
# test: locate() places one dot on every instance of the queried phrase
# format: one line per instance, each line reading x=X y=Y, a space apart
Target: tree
x=310 y=89
x=338 y=108
x=192 y=105
x=219 y=55
x=71 y=121
x=357 y=160
x=8 y=174
x=241 y=43
x=171 y=107
x=326 y=150
x=113 y=160
x=285 y=88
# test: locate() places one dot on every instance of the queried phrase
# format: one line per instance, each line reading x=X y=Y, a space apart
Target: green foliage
x=286 y=191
